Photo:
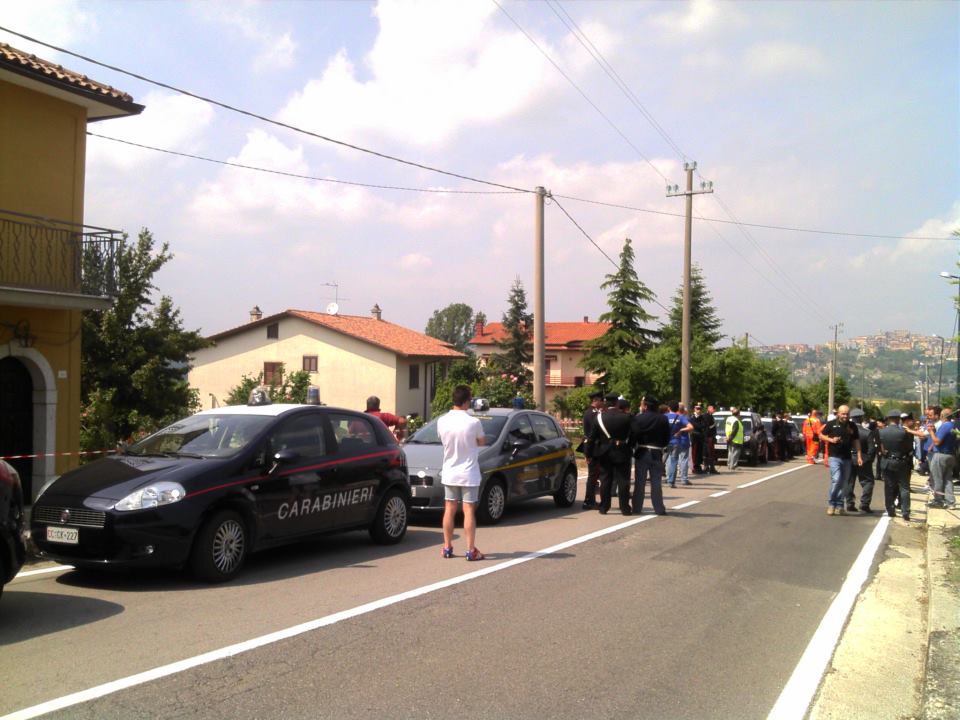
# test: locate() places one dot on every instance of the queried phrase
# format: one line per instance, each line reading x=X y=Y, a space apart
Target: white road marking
x=42 y=571
x=770 y=477
x=685 y=505
x=721 y=493
x=799 y=691
x=270 y=638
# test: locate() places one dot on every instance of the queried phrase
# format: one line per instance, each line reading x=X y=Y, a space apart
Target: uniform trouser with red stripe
x=593 y=481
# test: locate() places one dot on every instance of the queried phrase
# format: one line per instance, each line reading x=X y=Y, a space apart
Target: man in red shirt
x=394 y=421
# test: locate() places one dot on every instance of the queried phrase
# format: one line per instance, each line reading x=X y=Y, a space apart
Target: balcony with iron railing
x=47 y=258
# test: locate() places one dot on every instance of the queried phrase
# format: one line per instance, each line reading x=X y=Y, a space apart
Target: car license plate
x=67 y=535
x=721 y=446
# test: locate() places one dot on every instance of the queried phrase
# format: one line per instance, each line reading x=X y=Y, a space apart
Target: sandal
x=447 y=552
x=474 y=555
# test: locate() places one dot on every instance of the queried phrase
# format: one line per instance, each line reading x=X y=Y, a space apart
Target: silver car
x=527 y=455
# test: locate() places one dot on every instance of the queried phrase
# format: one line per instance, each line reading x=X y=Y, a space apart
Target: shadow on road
x=29 y=615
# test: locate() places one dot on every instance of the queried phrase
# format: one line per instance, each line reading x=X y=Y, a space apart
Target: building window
x=310 y=363
x=273 y=331
x=414 y=376
x=272 y=373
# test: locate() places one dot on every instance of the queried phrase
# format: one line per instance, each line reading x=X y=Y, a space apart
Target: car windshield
x=492 y=425
x=721 y=419
x=767 y=425
x=207 y=436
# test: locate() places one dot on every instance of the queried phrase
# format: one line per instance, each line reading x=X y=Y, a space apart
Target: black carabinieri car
x=12 y=550
x=213 y=487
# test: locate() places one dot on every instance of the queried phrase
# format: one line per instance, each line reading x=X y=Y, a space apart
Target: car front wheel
x=390 y=523
x=493 y=502
x=566 y=495
x=221 y=547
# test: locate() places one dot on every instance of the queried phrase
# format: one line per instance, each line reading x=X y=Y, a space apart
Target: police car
x=527 y=455
x=755 y=448
x=206 y=491
x=12 y=549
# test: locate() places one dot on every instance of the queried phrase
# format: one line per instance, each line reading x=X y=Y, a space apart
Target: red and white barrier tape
x=64 y=454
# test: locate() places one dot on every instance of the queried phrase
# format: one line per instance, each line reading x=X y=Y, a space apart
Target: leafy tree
x=817 y=394
x=290 y=388
x=453 y=324
x=573 y=403
x=627 y=318
x=517 y=347
x=135 y=354
x=704 y=322
x=498 y=390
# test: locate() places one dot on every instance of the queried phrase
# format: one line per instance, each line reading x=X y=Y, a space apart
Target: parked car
x=207 y=490
x=794 y=441
x=755 y=444
x=12 y=550
x=527 y=455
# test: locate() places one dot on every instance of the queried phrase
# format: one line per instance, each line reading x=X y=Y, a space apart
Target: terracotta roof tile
x=558 y=334
x=11 y=57
x=388 y=335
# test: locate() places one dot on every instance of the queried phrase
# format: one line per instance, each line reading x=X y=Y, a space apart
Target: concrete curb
x=941 y=681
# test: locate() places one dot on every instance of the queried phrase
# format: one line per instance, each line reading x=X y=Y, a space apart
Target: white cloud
x=275 y=50
x=913 y=251
x=435 y=68
x=696 y=17
x=416 y=261
x=58 y=22
x=173 y=122
x=779 y=58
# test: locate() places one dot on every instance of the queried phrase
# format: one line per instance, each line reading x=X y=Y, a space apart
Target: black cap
x=598 y=395
x=856 y=413
x=893 y=413
x=650 y=401
x=611 y=398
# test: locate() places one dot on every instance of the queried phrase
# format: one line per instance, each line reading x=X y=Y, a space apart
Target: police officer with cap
x=610 y=444
x=869 y=444
x=896 y=464
x=593 y=465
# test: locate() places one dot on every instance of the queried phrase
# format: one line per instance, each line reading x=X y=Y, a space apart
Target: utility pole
x=833 y=366
x=705 y=187
x=539 y=387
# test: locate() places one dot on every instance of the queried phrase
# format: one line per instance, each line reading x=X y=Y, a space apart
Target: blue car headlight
x=161 y=493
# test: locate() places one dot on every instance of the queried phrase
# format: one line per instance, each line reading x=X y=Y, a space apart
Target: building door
x=16 y=419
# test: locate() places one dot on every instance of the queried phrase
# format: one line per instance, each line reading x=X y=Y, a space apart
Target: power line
x=263 y=118
x=303 y=177
x=757 y=225
x=602 y=252
x=595 y=53
x=582 y=93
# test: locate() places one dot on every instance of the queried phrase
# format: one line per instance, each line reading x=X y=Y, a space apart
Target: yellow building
x=349 y=358
x=44 y=111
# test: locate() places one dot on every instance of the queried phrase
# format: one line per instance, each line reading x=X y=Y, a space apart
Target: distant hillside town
x=869 y=345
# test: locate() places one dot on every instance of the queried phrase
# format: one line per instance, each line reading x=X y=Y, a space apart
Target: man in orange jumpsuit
x=811 y=433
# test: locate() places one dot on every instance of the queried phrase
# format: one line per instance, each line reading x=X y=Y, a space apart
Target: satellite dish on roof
x=333 y=309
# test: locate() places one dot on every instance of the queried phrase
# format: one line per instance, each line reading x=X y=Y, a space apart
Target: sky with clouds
x=840 y=116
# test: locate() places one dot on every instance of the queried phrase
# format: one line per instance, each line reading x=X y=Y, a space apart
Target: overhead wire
x=582 y=93
x=263 y=118
x=303 y=177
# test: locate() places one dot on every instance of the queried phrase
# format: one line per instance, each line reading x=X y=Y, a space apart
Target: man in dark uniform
x=896 y=464
x=697 y=439
x=869 y=444
x=709 y=441
x=593 y=465
x=610 y=444
x=650 y=434
x=781 y=435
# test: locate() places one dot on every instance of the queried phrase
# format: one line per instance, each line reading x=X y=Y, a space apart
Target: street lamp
x=940 y=372
x=956 y=278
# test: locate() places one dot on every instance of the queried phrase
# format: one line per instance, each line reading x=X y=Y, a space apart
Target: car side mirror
x=283 y=457
x=516 y=443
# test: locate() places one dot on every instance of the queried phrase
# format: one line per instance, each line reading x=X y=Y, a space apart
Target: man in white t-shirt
x=461 y=435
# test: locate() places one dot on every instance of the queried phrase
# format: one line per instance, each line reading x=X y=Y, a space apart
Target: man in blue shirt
x=941 y=458
x=678 y=451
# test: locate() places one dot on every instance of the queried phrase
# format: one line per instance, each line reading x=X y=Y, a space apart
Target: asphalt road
x=703 y=613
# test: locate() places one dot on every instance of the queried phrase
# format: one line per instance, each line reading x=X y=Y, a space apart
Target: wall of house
x=414 y=400
x=42 y=159
x=348 y=370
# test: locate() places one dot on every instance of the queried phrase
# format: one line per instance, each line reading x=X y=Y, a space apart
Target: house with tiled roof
x=349 y=358
x=44 y=286
x=563 y=351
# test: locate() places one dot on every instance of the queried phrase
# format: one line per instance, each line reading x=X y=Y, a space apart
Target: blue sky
x=831 y=115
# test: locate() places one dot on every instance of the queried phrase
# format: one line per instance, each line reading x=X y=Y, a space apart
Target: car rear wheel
x=390 y=523
x=566 y=495
x=221 y=547
x=493 y=503
x=752 y=457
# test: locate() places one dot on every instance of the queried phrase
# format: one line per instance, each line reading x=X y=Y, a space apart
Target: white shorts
x=462 y=493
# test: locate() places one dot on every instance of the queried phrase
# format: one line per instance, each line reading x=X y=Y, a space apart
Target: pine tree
x=704 y=323
x=627 y=318
x=517 y=346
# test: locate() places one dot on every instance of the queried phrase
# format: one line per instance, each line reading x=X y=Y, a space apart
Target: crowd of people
x=663 y=440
